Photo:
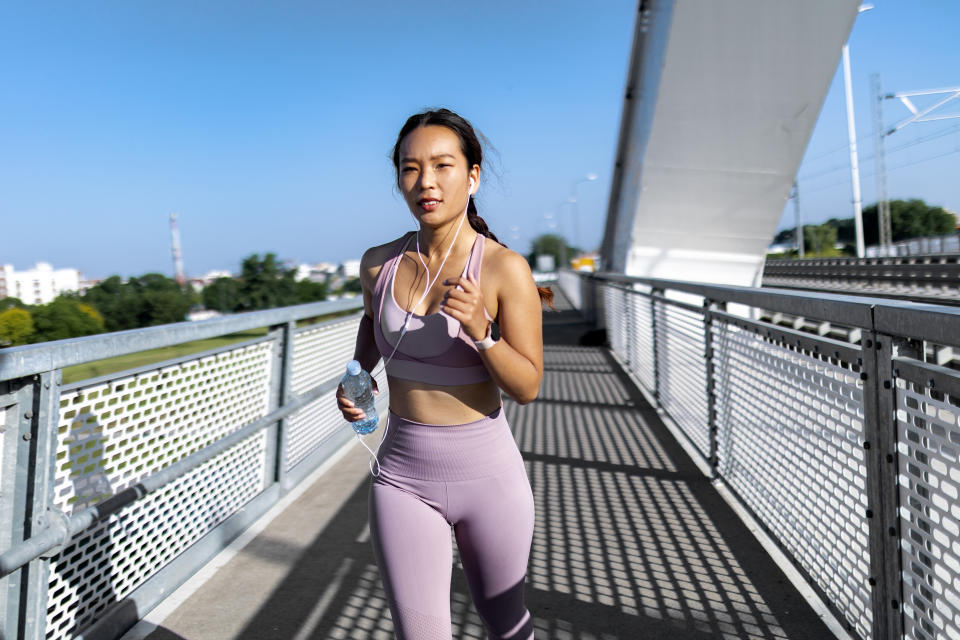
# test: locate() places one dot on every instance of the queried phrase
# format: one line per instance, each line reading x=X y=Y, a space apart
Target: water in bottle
x=358 y=388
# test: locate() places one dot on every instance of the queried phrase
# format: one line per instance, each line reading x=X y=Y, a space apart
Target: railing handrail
x=866 y=260
x=933 y=322
x=19 y=362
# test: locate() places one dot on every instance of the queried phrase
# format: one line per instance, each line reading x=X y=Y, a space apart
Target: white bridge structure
x=720 y=102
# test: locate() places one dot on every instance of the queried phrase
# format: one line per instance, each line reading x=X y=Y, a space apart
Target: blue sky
x=267 y=126
x=913 y=46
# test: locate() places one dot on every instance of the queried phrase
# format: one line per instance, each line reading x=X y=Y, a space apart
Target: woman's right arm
x=366 y=351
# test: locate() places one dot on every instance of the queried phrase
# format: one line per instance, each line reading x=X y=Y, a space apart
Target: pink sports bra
x=435 y=349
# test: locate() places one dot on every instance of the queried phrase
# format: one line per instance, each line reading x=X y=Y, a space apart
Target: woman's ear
x=473 y=179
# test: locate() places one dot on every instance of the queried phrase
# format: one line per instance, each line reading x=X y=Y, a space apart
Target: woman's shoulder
x=375 y=257
x=506 y=265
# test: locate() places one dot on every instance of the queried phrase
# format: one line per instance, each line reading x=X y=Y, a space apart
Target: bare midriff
x=442 y=405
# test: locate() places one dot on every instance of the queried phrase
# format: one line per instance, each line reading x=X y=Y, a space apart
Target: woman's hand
x=466 y=305
x=346 y=406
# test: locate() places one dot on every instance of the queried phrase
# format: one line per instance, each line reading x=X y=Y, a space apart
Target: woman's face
x=433 y=174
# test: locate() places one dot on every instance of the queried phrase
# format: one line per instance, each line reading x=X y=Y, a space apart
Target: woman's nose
x=427 y=179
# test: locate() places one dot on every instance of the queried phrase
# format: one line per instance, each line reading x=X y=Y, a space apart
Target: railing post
x=588 y=305
x=599 y=303
x=628 y=330
x=654 y=327
x=880 y=456
x=711 y=394
x=12 y=504
x=29 y=457
x=280 y=392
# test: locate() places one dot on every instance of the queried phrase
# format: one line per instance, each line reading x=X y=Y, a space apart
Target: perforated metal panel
x=321 y=354
x=790 y=444
x=114 y=433
x=928 y=425
x=108 y=562
x=683 y=371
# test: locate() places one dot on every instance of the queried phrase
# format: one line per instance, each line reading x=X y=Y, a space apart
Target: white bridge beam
x=720 y=103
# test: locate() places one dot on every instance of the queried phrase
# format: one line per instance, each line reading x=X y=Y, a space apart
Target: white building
x=199 y=284
x=319 y=272
x=350 y=268
x=214 y=274
x=303 y=272
x=39 y=285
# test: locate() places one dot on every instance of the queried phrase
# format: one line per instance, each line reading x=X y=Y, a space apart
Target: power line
x=901 y=147
x=870 y=175
x=909 y=164
x=833 y=151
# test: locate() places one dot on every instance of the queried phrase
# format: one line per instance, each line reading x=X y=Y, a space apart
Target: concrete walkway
x=631 y=542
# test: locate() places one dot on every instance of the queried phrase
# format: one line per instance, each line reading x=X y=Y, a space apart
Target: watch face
x=494 y=331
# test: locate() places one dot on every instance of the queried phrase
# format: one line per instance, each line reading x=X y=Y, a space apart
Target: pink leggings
x=468 y=476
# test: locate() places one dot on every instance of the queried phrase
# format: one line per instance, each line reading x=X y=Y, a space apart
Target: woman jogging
x=448 y=457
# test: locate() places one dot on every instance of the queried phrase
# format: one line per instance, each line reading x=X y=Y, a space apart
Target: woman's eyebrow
x=439 y=155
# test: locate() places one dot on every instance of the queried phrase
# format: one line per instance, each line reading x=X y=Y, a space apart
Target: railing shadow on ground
x=631 y=540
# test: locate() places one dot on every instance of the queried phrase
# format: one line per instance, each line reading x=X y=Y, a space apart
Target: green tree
x=11 y=303
x=309 y=291
x=550 y=244
x=65 y=318
x=119 y=303
x=846 y=231
x=908 y=219
x=818 y=240
x=148 y=300
x=162 y=299
x=264 y=284
x=16 y=326
x=784 y=236
x=223 y=294
x=351 y=286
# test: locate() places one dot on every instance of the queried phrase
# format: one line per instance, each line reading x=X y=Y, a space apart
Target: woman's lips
x=429 y=205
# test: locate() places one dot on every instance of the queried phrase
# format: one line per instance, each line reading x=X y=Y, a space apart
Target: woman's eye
x=407 y=169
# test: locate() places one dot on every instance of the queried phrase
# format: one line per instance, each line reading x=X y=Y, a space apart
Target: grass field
x=132 y=360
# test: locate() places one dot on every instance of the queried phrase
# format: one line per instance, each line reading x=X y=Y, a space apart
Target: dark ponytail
x=479 y=224
x=472 y=151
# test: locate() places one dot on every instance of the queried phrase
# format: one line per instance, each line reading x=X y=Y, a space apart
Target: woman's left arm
x=515 y=361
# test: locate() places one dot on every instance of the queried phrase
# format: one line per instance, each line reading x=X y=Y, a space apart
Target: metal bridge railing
x=927 y=278
x=847 y=454
x=115 y=490
x=947 y=243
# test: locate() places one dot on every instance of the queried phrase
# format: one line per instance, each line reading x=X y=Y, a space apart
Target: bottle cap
x=354 y=368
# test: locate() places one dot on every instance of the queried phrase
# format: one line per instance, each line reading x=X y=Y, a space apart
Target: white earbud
x=470 y=188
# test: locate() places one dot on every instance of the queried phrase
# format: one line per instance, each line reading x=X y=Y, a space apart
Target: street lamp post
x=852 y=136
x=854 y=166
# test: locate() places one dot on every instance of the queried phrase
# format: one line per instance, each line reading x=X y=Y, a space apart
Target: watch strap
x=488 y=341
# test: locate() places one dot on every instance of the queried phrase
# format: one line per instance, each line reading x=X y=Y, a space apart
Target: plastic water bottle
x=359 y=390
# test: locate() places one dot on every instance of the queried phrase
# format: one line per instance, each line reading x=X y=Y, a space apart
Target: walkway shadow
x=631 y=540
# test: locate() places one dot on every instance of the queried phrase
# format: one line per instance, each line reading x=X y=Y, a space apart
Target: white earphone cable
x=406 y=322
